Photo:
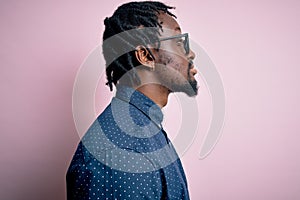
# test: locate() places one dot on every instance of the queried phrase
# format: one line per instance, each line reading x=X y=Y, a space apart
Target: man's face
x=173 y=65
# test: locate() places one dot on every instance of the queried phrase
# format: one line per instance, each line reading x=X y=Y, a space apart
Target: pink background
x=254 y=45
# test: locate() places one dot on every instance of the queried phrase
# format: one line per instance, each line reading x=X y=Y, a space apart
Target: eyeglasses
x=183 y=40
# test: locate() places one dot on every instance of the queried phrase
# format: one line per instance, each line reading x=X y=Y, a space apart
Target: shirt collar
x=141 y=102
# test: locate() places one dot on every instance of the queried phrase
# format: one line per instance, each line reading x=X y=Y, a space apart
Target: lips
x=193 y=70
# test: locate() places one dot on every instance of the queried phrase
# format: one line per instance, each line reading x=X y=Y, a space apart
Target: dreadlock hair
x=126 y=25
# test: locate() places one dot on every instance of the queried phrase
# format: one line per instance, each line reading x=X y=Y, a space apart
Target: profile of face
x=174 y=61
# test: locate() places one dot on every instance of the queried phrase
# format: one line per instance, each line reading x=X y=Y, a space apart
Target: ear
x=145 y=57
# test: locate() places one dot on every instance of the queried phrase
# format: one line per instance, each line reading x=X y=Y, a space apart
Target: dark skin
x=169 y=71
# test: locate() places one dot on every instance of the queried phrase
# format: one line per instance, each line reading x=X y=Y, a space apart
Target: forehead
x=169 y=25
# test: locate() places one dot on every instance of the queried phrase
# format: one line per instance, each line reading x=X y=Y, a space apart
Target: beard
x=173 y=79
x=190 y=88
x=194 y=86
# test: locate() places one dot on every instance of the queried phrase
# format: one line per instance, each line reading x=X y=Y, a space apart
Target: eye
x=180 y=42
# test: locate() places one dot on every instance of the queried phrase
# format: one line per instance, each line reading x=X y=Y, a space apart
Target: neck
x=157 y=93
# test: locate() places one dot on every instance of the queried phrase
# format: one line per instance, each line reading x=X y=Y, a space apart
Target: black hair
x=119 y=53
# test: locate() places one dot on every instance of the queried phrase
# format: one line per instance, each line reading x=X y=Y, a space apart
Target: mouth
x=192 y=71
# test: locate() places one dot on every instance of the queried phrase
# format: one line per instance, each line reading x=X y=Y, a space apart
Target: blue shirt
x=126 y=154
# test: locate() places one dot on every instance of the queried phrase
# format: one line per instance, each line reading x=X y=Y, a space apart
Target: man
x=126 y=154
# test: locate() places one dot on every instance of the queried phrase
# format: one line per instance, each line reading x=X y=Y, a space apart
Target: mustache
x=190 y=64
x=189 y=67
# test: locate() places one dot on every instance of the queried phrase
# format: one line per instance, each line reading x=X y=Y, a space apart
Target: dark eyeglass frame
x=186 y=43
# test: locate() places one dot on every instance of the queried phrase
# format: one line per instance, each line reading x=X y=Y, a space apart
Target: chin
x=190 y=88
x=192 y=93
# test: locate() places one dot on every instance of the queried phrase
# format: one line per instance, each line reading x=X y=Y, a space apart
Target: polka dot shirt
x=126 y=154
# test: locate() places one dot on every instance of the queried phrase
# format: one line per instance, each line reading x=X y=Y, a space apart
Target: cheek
x=173 y=61
x=180 y=65
x=164 y=58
